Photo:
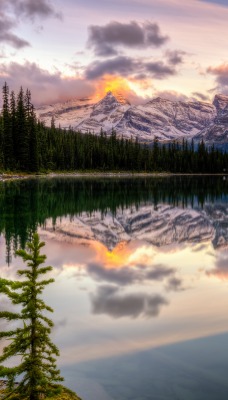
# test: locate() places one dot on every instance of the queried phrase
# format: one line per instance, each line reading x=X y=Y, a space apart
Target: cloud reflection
x=174 y=284
x=126 y=275
x=221 y=270
x=108 y=300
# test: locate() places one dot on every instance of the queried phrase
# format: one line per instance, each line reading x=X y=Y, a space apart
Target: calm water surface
x=141 y=290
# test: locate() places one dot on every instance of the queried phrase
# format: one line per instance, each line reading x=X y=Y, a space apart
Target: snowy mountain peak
x=220 y=102
x=106 y=105
x=166 y=119
x=115 y=97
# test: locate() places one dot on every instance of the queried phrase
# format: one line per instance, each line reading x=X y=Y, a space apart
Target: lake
x=141 y=280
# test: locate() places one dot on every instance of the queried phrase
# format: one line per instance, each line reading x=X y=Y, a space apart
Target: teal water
x=140 y=292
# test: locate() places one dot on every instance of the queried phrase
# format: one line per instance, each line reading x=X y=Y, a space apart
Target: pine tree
x=7 y=131
x=22 y=133
x=33 y=142
x=13 y=126
x=31 y=340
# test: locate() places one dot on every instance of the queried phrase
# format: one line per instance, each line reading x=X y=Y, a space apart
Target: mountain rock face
x=165 y=119
x=218 y=131
x=160 y=226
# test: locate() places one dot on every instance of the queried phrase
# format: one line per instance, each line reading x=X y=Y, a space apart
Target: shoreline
x=96 y=174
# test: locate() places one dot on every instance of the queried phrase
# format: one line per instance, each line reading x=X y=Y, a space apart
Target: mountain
x=165 y=119
x=160 y=226
x=218 y=131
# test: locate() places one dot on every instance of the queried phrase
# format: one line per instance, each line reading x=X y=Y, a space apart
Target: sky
x=142 y=48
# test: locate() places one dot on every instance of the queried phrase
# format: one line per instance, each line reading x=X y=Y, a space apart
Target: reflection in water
x=109 y=300
x=139 y=264
x=26 y=204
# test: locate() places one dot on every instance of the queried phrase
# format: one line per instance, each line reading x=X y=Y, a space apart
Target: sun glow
x=116 y=258
x=112 y=84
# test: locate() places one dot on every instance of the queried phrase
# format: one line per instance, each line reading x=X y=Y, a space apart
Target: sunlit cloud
x=118 y=85
x=171 y=95
x=200 y=96
x=221 y=76
x=44 y=85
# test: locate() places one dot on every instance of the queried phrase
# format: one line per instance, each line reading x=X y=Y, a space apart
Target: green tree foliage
x=30 y=341
x=28 y=145
x=7 y=130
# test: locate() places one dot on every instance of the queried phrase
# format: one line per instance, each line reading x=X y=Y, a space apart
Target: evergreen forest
x=27 y=145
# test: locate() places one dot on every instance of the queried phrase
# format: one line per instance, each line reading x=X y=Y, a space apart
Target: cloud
x=201 y=96
x=217 y=2
x=109 y=301
x=221 y=270
x=171 y=95
x=120 y=65
x=129 y=275
x=175 y=57
x=31 y=9
x=122 y=276
x=221 y=74
x=159 y=272
x=174 y=284
x=159 y=70
x=118 y=84
x=45 y=87
x=6 y=36
x=11 y=13
x=129 y=67
x=61 y=323
x=104 y=39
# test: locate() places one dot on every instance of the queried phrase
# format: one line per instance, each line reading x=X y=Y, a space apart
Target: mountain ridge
x=167 y=120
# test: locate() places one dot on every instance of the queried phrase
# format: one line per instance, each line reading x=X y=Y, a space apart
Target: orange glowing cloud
x=119 y=85
x=221 y=275
x=116 y=258
x=114 y=84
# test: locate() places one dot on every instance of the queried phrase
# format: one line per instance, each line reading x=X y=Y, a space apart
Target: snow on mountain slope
x=162 y=226
x=218 y=131
x=165 y=119
x=105 y=114
x=69 y=113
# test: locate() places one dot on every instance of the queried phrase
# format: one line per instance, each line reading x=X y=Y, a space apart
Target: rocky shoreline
x=94 y=174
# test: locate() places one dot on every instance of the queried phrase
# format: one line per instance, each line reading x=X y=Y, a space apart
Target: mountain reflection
x=138 y=263
x=161 y=210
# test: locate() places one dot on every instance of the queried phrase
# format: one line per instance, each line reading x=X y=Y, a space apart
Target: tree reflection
x=27 y=204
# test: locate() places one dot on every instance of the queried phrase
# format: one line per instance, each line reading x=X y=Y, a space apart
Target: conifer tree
x=13 y=120
x=31 y=340
x=33 y=142
x=22 y=132
x=7 y=131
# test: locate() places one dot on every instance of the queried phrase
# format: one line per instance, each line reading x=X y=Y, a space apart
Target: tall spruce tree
x=13 y=126
x=22 y=133
x=30 y=341
x=7 y=131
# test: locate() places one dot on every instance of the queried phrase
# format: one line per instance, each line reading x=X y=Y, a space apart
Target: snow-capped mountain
x=165 y=119
x=162 y=226
x=218 y=130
